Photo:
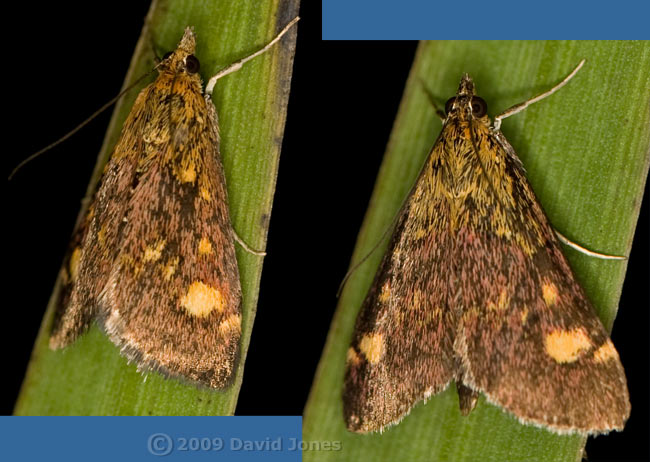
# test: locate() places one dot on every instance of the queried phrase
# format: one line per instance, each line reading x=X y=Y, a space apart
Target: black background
x=344 y=99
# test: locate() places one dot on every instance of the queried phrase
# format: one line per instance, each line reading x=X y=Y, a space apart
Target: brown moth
x=474 y=288
x=154 y=262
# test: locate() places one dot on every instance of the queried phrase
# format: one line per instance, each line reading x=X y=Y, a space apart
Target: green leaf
x=586 y=150
x=90 y=377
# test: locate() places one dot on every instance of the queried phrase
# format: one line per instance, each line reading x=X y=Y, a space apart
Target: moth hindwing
x=156 y=264
x=474 y=288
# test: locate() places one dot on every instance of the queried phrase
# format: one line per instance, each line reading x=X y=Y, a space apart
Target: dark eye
x=449 y=104
x=192 y=64
x=479 y=106
x=167 y=55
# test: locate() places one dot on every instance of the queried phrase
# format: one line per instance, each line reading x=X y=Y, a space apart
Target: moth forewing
x=474 y=288
x=156 y=264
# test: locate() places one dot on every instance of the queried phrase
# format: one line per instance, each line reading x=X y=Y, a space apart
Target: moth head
x=466 y=103
x=182 y=59
x=466 y=86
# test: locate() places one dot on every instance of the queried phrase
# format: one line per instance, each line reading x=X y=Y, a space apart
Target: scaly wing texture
x=528 y=337
x=173 y=298
x=474 y=287
x=156 y=265
x=402 y=349
x=88 y=269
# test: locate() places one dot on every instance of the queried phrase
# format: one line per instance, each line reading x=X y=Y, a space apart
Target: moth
x=154 y=261
x=474 y=288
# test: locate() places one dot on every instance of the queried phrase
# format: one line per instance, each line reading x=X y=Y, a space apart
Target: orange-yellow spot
x=101 y=235
x=372 y=347
x=352 y=357
x=153 y=252
x=502 y=303
x=91 y=214
x=188 y=174
x=73 y=264
x=205 y=248
x=416 y=300
x=169 y=269
x=549 y=292
x=605 y=352
x=205 y=194
x=525 y=245
x=231 y=324
x=500 y=223
x=524 y=315
x=436 y=314
x=128 y=262
x=566 y=346
x=471 y=314
x=384 y=295
x=201 y=299
x=423 y=231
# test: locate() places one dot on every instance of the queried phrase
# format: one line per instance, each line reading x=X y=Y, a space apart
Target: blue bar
x=485 y=19
x=151 y=438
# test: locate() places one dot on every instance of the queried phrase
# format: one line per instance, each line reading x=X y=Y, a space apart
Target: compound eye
x=192 y=64
x=449 y=105
x=479 y=106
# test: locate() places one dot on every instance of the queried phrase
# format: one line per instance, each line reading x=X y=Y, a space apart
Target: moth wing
x=528 y=337
x=95 y=243
x=173 y=298
x=402 y=347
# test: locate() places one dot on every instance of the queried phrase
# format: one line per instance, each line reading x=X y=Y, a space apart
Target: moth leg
x=586 y=251
x=238 y=64
x=229 y=70
x=245 y=246
x=521 y=106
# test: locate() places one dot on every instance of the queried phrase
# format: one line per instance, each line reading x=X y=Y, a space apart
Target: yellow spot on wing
x=73 y=264
x=201 y=299
x=525 y=245
x=605 y=352
x=566 y=346
x=91 y=214
x=127 y=261
x=502 y=303
x=231 y=324
x=169 y=269
x=524 y=315
x=188 y=174
x=205 y=247
x=153 y=252
x=423 y=232
x=416 y=300
x=384 y=295
x=352 y=357
x=549 y=292
x=471 y=315
x=372 y=347
x=205 y=193
x=101 y=235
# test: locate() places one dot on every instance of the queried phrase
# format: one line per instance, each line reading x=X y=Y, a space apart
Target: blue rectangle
x=151 y=438
x=473 y=19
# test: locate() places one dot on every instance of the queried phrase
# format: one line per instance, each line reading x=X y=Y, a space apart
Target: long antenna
x=78 y=127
